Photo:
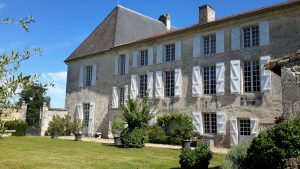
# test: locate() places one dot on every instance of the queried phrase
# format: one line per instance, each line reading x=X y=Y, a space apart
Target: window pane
x=170 y=52
x=206 y=45
x=169 y=84
x=86 y=114
x=245 y=127
x=122 y=65
x=143 y=86
x=251 y=76
x=247 y=37
x=255 y=36
x=88 y=78
x=213 y=44
x=144 y=57
x=122 y=96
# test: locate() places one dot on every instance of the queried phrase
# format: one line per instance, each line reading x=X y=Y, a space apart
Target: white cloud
x=58 y=92
x=2 y=6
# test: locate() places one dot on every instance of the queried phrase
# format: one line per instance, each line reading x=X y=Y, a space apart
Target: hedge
x=18 y=125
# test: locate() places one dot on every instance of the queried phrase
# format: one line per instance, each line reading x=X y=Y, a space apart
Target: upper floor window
x=88 y=75
x=143 y=86
x=122 y=96
x=144 y=58
x=169 y=84
x=251 y=76
x=209 y=44
x=210 y=80
x=251 y=36
x=170 y=52
x=122 y=62
x=210 y=123
x=86 y=114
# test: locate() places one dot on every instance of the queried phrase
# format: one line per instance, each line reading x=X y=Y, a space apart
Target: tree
x=35 y=96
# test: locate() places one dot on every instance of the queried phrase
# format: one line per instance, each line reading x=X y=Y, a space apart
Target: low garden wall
x=14 y=113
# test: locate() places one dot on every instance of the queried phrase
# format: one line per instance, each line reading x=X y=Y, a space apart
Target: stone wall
x=46 y=116
x=15 y=113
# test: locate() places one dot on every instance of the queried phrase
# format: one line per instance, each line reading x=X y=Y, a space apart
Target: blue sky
x=61 y=25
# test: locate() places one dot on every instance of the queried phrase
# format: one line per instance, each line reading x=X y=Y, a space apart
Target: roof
x=276 y=64
x=121 y=26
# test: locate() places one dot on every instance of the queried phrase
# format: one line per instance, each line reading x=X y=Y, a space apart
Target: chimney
x=166 y=19
x=206 y=14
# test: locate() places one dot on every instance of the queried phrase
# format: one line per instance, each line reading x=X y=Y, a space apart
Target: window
x=210 y=80
x=170 y=52
x=245 y=129
x=122 y=96
x=88 y=75
x=122 y=65
x=251 y=76
x=210 y=123
x=251 y=36
x=209 y=44
x=143 y=86
x=86 y=114
x=169 y=84
x=144 y=57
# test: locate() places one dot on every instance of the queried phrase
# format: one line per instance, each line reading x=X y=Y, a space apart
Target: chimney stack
x=166 y=19
x=206 y=14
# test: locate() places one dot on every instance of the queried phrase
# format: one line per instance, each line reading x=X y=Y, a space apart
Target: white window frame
x=122 y=64
x=244 y=127
x=143 y=84
x=170 y=84
x=88 y=76
x=209 y=44
x=170 y=50
x=86 y=114
x=253 y=88
x=144 y=57
x=211 y=80
x=210 y=123
x=251 y=40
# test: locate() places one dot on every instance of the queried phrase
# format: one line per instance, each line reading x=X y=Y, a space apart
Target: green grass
x=38 y=152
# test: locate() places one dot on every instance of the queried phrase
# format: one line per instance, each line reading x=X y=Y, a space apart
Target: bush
x=135 y=138
x=56 y=125
x=156 y=135
x=67 y=122
x=236 y=157
x=177 y=126
x=18 y=125
x=76 y=127
x=194 y=159
x=271 y=148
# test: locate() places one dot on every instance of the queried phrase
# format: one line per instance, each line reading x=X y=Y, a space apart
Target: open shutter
x=254 y=126
x=116 y=65
x=133 y=87
x=126 y=92
x=235 y=76
x=178 y=82
x=91 y=119
x=150 y=84
x=234 y=138
x=220 y=41
x=197 y=46
x=115 y=98
x=265 y=75
x=135 y=59
x=94 y=74
x=159 y=85
x=126 y=62
x=79 y=112
x=81 y=76
x=264 y=35
x=220 y=78
x=197 y=122
x=150 y=55
x=196 y=82
x=178 y=50
x=159 y=54
x=221 y=123
x=235 y=38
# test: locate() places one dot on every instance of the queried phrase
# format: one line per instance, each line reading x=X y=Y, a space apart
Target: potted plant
x=187 y=134
x=56 y=127
x=116 y=130
x=77 y=129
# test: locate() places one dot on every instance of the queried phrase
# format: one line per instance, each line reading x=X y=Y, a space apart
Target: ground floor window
x=122 y=96
x=245 y=129
x=143 y=86
x=210 y=123
x=210 y=80
x=86 y=114
x=170 y=84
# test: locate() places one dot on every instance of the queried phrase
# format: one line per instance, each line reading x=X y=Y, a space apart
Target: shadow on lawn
x=217 y=167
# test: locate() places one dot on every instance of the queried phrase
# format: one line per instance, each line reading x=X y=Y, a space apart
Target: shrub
x=135 y=138
x=156 y=134
x=76 y=127
x=56 y=125
x=272 y=147
x=194 y=159
x=236 y=157
x=178 y=126
x=18 y=125
x=117 y=128
x=67 y=122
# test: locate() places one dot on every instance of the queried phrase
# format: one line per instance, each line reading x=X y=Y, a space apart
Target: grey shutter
x=159 y=89
x=135 y=59
x=220 y=79
x=134 y=86
x=91 y=119
x=265 y=75
x=221 y=123
x=197 y=122
x=178 y=50
x=150 y=55
x=150 y=84
x=264 y=35
x=235 y=38
x=126 y=62
x=81 y=76
x=196 y=82
x=235 y=76
x=159 y=54
x=115 y=98
x=254 y=126
x=220 y=42
x=94 y=74
x=116 y=65
x=178 y=82
x=197 y=46
x=234 y=138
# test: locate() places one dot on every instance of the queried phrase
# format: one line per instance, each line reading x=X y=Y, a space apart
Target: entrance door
x=244 y=130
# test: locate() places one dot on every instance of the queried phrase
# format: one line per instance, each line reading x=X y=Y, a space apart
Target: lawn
x=39 y=152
